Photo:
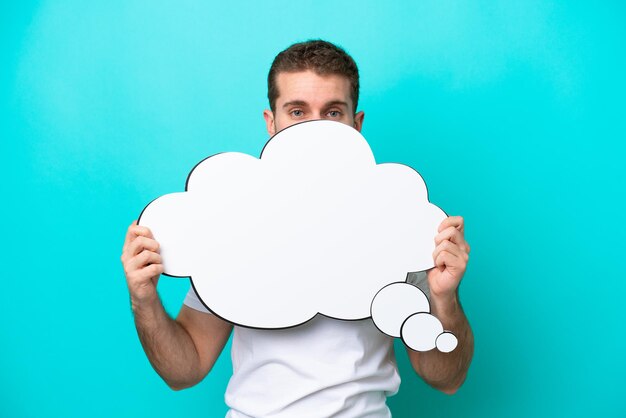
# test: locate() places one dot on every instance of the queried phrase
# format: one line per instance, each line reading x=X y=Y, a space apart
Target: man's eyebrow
x=336 y=103
x=295 y=103
x=326 y=105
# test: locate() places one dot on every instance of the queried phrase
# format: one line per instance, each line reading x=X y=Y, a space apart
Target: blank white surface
x=312 y=226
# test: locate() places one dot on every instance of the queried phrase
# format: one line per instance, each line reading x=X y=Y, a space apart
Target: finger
x=135 y=231
x=146 y=273
x=153 y=269
x=441 y=258
x=450 y=247
x=451 y=234
x=454 y=221
x=142 y=243
x=143 y=259
x=454 y=235
x=448 y=260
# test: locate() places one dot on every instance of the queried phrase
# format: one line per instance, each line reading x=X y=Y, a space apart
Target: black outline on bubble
x=445 y=331
x=414 y=313
x=389 y=284
x=318 y=313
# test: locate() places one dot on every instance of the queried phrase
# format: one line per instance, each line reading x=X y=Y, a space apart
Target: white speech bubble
x=420 y=331
x=396 y=302
x=313 y=226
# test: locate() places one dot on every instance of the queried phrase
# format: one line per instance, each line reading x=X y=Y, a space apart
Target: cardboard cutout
x=313 y=226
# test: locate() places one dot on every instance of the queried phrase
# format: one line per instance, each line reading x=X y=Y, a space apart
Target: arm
x=447 y=371
x=183 y=351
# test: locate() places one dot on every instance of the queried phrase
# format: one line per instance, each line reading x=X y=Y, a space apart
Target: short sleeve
x=420 y=280
x=193 y=301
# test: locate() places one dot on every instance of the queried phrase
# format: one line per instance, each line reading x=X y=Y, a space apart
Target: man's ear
x=269 y=122
x=358 y=120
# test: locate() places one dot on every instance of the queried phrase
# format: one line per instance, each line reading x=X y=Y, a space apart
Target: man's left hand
x=451 y=255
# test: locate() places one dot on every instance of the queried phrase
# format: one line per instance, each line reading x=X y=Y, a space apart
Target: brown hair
x=324 y=58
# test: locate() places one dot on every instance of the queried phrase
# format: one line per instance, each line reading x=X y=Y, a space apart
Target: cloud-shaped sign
x=314 y=226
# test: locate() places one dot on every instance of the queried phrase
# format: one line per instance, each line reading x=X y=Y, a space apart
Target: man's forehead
x=309 y=86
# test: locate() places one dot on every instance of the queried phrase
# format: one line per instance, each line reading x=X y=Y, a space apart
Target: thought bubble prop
x=314 y=226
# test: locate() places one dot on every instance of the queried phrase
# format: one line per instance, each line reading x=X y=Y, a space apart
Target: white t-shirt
x=326 y=367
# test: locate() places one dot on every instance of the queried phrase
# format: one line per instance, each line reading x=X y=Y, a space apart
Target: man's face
x=306 y=95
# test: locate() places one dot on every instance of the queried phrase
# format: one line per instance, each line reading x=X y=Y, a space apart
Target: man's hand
x=451 y=255
x=142 y=263
x=182 y=351
x=447 y=371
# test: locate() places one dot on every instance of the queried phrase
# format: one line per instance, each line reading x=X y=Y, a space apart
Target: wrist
x=143 y=301
x=444 y=306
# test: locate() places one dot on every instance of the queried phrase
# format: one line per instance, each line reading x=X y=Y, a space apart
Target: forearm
x=169 y=347
x=447 y=371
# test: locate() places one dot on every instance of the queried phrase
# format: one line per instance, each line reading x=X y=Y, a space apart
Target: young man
x=325 y=367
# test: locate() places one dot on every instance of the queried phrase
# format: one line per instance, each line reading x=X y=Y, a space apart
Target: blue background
x=513 y=112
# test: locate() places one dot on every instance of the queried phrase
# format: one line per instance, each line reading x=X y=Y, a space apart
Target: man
x=325 y=367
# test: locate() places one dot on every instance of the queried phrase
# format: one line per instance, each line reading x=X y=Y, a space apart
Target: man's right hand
x=142 y=264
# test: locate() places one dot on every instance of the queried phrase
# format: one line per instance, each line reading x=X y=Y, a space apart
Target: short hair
x=322 y=57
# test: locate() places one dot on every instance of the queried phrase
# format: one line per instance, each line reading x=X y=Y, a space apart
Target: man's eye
x=334 y=113
x=297 y=113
